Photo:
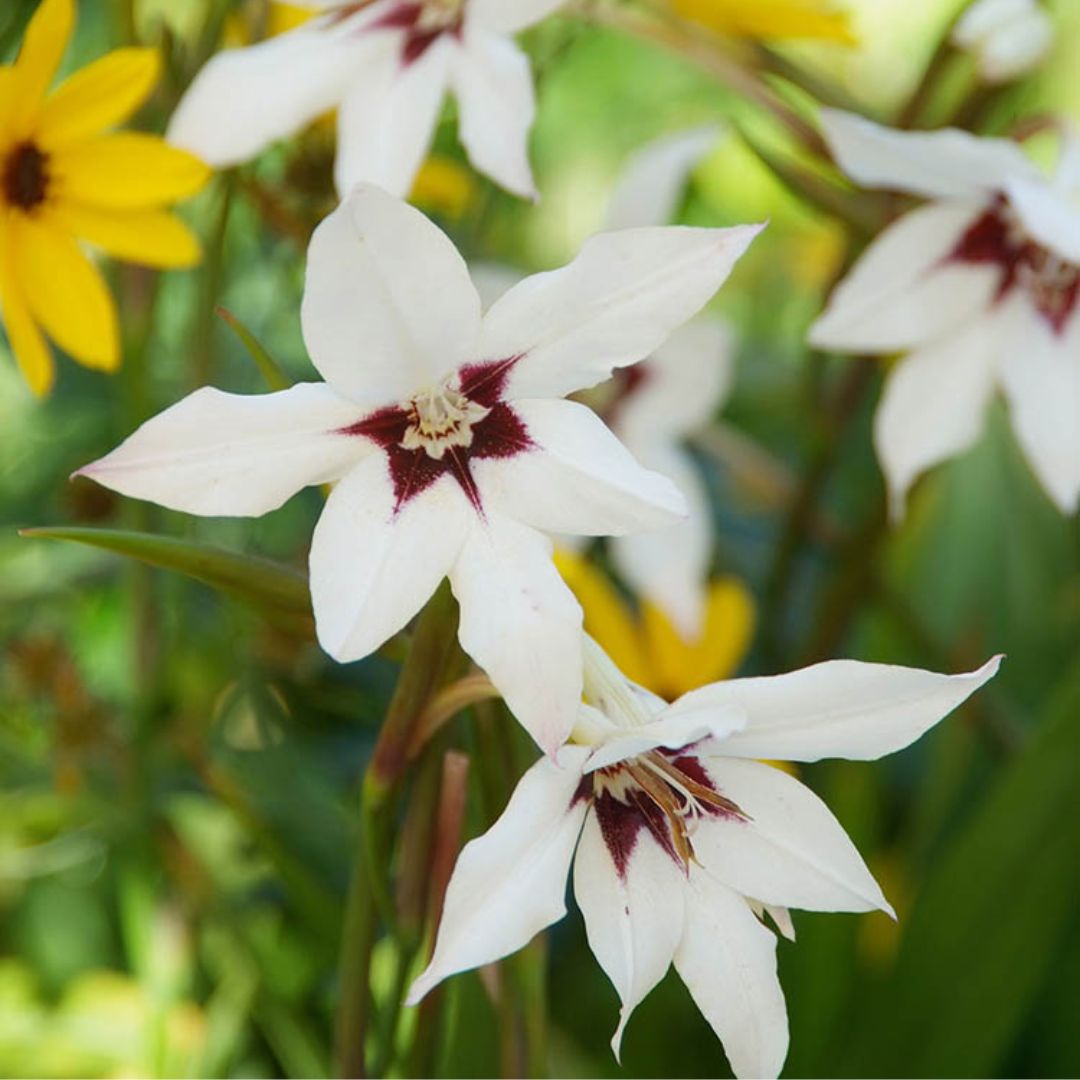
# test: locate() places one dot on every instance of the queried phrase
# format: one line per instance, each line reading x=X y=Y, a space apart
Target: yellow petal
x=443 y=186
x=150 y=237
x=42 y=50
x=126 y=171
x=27 y=343
x=608 y=617
x=716 y=654
x=769 y=18
x=101 y=95
x=66 y=292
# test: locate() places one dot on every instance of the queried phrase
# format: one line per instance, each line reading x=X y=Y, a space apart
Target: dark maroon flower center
x=997 y=237
x=25 y=178
x=665 y=793
x=442 y=431
x=423 y=23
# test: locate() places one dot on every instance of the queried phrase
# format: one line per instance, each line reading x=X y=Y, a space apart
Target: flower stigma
x=439 y=419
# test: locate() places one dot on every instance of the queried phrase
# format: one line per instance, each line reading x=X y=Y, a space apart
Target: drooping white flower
x=681 y=840
x=387 y=66
x=444 y=429
x=1007 y=37
x=655 y=405
x=981 y=287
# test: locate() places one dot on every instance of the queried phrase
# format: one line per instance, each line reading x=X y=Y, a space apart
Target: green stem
x=433 y=644
x=213 y=274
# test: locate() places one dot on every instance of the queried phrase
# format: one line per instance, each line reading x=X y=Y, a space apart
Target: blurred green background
x=178 y=772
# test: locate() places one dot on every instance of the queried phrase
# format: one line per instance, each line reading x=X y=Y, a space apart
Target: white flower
x=653 y=406
x=982 y=286
x=1007 y=37
x=680 y=839
x=446 y=432
x=387 y=66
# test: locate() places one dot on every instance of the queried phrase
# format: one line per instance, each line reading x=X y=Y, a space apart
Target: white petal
x=683 y=383
x=1067 y=174
x=234 y=455
x=244 y=99
x=1040 y=371
x=374 y=567
x=781 y=918
x=939 y=164
x=670 y=567
x=388 y=118
x=933 y=404
x=903 y=292
x=669 y=731
x=509 y=16
x=579 y=479
x=654 y=179
x=510 y=883
x=522 y=625
x=493 y=82
x=727 y=960
x=791 y=851
x=389 y=308
x=634 y=923
x=492 y=280
x=1049 y=215
x=1008 y=37
x=616 y=302
x=842 y=708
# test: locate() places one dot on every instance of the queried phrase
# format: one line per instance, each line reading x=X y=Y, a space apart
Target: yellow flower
x=769 y=18
x=63 y=179
x=647 y=647
x=444 y=187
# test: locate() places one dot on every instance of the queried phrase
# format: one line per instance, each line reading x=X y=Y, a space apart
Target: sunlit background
x=178 y=773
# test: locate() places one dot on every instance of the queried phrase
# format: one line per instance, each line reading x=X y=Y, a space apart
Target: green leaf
x=987 y=927
x=271 y=371
x=275 y=590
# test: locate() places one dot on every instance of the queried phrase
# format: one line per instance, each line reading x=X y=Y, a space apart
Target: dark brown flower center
x=664 y=792
x=998 y=237
x=26 y=176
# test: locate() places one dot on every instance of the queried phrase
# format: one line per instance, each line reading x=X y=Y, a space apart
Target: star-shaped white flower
x=680 y=839
x=1008 y=38
x=982 y=285
x=655 y=405
x=386 y=65
x=453 y=454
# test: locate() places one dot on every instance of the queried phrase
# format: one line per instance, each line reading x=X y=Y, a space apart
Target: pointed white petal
x=682 y=384
x=510 y=883
x=791 y=851
x=579 y=479
x=388 y=118
x=781 y=917
x=1049 y=215
x=245 y=99
x=903 y=291
x=234 y=455
x=492 y=280
x=938 y=164
x=374 y=567
x=670 y=732
x=1040 y=371
x=654 y=179
x=509 y=16
x=389 y=308
x=1008 y=37
x=727 y=960
x=522 y=625
x=842 y=708
x=933 y=404
x=617 y=301
x=670 y=567
x=633 y=922
x=493 y=83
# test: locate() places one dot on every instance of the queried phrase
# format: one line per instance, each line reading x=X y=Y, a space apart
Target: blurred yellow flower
x=647 y=647
x=443 y=186
x=770 y=18
x=63 y=179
